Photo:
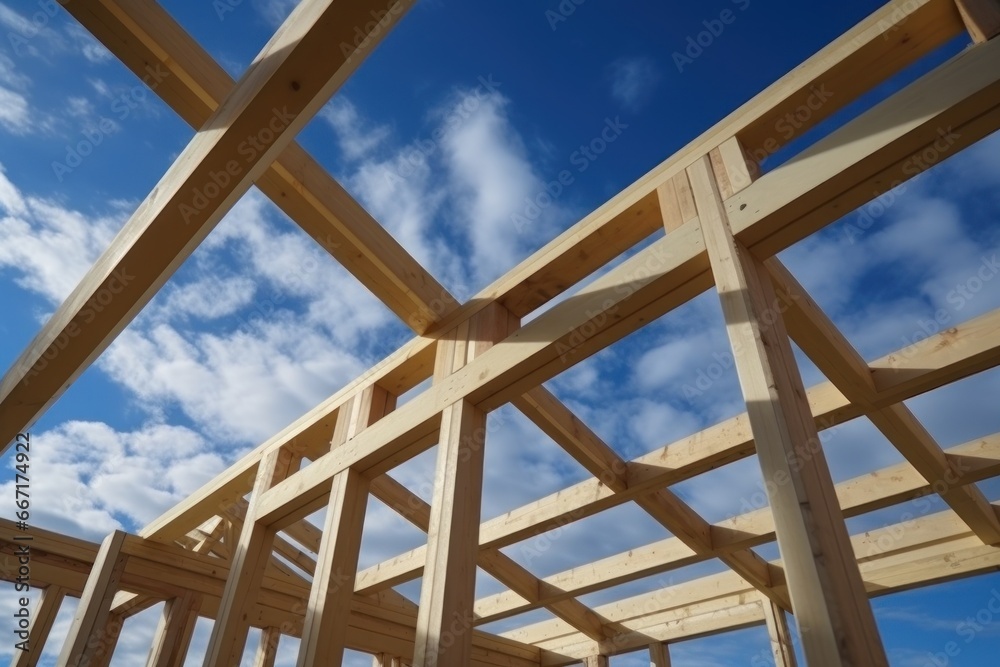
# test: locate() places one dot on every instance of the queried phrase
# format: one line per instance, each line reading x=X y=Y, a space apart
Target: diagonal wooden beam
x=580 y=442
x=834 y=355
x=310 y=56
x=865 y=493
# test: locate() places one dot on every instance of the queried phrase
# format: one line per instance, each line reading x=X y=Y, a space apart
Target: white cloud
x=491 y=177
x=356 y=136
x=97 y=479
x=48 y=246
x=92 y=50
x=633 y=81
x=15 y=113
x=274 y=11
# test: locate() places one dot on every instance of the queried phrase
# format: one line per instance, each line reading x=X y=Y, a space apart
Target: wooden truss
x=239 y=550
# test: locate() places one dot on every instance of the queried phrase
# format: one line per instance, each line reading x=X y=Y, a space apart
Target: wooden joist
x=285 y=86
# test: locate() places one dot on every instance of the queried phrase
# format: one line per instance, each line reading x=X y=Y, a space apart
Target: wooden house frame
x=215 y=554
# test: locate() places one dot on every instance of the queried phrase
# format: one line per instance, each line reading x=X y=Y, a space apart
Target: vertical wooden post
x=91 y=631
x=659 y=655
x=386 y=660
x=324 y=632
x=248 y=561
x=828 y=595
x=982 y=18
x=445 y=618
x=105 y=650
x=596 y=661
x=41 y=624
x=267 y=649
x=777 y=631
x=174 y=631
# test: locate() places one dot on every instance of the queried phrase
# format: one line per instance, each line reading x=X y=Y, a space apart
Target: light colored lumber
x=982 y=18
x=93 y=612
x=267 y=649
x=42 y=618
x=834 y=355
x=325 y=630
x=445 y=619
x=174 y=631
x=595 y=661
x=825 y=586
x=250 y=557
x=941 y=113
x=659 y=655
x=778 y=634
x=309 y=57
x=676 y=202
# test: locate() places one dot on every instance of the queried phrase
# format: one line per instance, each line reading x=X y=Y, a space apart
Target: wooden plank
x=933 y=118
x=676 y=202
x=778 y=634
x=659 y=655
x=445 y=618
x=93 y=612
x=595 y=661
x=824 y=583
x=325 y=631
x=42 y=618
x=174 y=632
x=267 y=649
x=294 y=75
x=982 y=18
x=901 y=427
x=250 y=558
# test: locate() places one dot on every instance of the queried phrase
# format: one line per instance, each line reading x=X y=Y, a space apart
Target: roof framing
x=216 y=554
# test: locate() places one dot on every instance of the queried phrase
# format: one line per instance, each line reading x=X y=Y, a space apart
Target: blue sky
x=449 y=135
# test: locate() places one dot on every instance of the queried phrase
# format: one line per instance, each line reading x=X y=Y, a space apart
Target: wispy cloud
x=633 y=81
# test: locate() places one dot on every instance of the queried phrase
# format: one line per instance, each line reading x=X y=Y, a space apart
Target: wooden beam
x=267 y=649
x=325 y=631
x=90 y=633
x=834 y=355
x=972 y=346
x=445 y=618
x=659 y=655
x=865 y=493
x=249 y=560
x=982 y=18
x=778 y=634
x=595 y=661
x=304 y=63
x=824 y=583
x=174 y=632
x=42 y=618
